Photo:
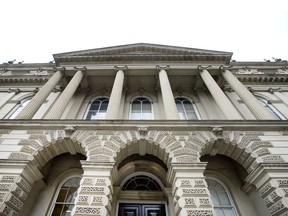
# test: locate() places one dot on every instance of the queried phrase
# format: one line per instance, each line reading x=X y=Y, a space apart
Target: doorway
x=126 y=209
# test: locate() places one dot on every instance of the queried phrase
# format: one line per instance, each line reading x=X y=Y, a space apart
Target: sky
x=33 y=30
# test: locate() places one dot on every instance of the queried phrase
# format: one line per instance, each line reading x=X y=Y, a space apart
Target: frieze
x=5 y=186
x=92 y=190
x=20 y=156
x=267 y=188
x=282 y=182
x=189 y=202
x=24 y=185
x=8 y=178
x=268 y=201
x=260 y=144
x=99 y=158
x=277 y=208
x=82 y=200
x=102 y=151
x=272 y=158
x=199 y=213
x=88 y=211
x=95 y=144
x=15 y=202
x=32 y=143
x=204 y=202
x=192 y=146
x=173 y=147
x=187 y=159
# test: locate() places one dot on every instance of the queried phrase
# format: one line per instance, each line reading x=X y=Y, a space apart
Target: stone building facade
x=144 y=129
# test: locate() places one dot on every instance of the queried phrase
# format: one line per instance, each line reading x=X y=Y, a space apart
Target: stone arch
x=42 y=146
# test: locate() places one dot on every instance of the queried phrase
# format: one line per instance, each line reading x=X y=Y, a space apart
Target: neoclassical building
x=144 y=130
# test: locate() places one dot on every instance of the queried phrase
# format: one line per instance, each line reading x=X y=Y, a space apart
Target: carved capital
x=61 y=69
x=201 y=68
x=123 y=68
x=222 y=68
x=159 y=68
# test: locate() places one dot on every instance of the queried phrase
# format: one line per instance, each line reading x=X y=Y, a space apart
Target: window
x=97 y=109
x=18 y=108
x=65 y=201
x=141 y=183
x=221 y=199
x=141 y=108
x=270 y=108
x=186 y=109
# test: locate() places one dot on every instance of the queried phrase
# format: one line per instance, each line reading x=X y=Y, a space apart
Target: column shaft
x=221 y=99
x=170 y=108
x=61 y=103
x=281 y=97
x=248 y=98
x=29 y=111
x=115 y=97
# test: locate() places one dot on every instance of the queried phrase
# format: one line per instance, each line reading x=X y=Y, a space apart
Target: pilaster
x=95 y=192
x=190 y=192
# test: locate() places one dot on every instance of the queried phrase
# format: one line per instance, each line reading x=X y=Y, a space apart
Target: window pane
x=66 y=197
x=19 y=108
x=220 y=199
x=141 y=108
x=98 y=109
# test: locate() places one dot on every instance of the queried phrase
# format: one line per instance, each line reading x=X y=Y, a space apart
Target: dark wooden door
x=141 y=210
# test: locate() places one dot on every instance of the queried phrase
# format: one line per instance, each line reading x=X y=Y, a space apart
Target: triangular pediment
x=141 y=52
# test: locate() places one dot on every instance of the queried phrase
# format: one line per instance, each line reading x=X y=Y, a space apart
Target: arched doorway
x=142 y=184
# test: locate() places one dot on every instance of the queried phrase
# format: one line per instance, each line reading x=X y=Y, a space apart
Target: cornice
x=171 y=125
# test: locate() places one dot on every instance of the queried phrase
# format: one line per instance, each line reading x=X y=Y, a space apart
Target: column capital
x=201 y=68
x=61 y=69
x=223 y=68
x=123 y=68
x=159 y=68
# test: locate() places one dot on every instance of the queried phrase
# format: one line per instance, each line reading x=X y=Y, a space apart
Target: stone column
x=220 y=98
x=116 y=94
x=248 y=98
x=61 y=103
x=29 y=111
x=191 y=195
x=170 y=108
x=96 y=190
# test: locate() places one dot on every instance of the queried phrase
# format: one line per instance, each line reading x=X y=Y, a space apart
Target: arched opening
x=141 y=108
x=142 y=183
x=226 y=183
x=54 y=194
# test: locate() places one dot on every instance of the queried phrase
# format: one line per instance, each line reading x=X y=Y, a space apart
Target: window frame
x=18 y=108
x=90 y=104
x=228 y=193
x=58 y=188
x=193 y=105
x=273 y=111
x=152 y=109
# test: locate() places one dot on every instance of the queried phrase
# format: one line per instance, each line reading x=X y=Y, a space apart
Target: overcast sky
x=33 y=30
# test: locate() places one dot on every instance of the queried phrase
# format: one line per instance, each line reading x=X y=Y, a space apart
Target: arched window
x=221 y=199
x=141 y=182
x=97 y=109
x=270 y=108
x=65 y=200
x=19 y=107
x=141 y=108
x=186 y=109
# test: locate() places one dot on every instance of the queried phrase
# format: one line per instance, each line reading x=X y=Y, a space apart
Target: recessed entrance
x=126 y=209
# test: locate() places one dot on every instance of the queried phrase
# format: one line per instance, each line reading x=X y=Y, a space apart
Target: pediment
x=141 y=52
